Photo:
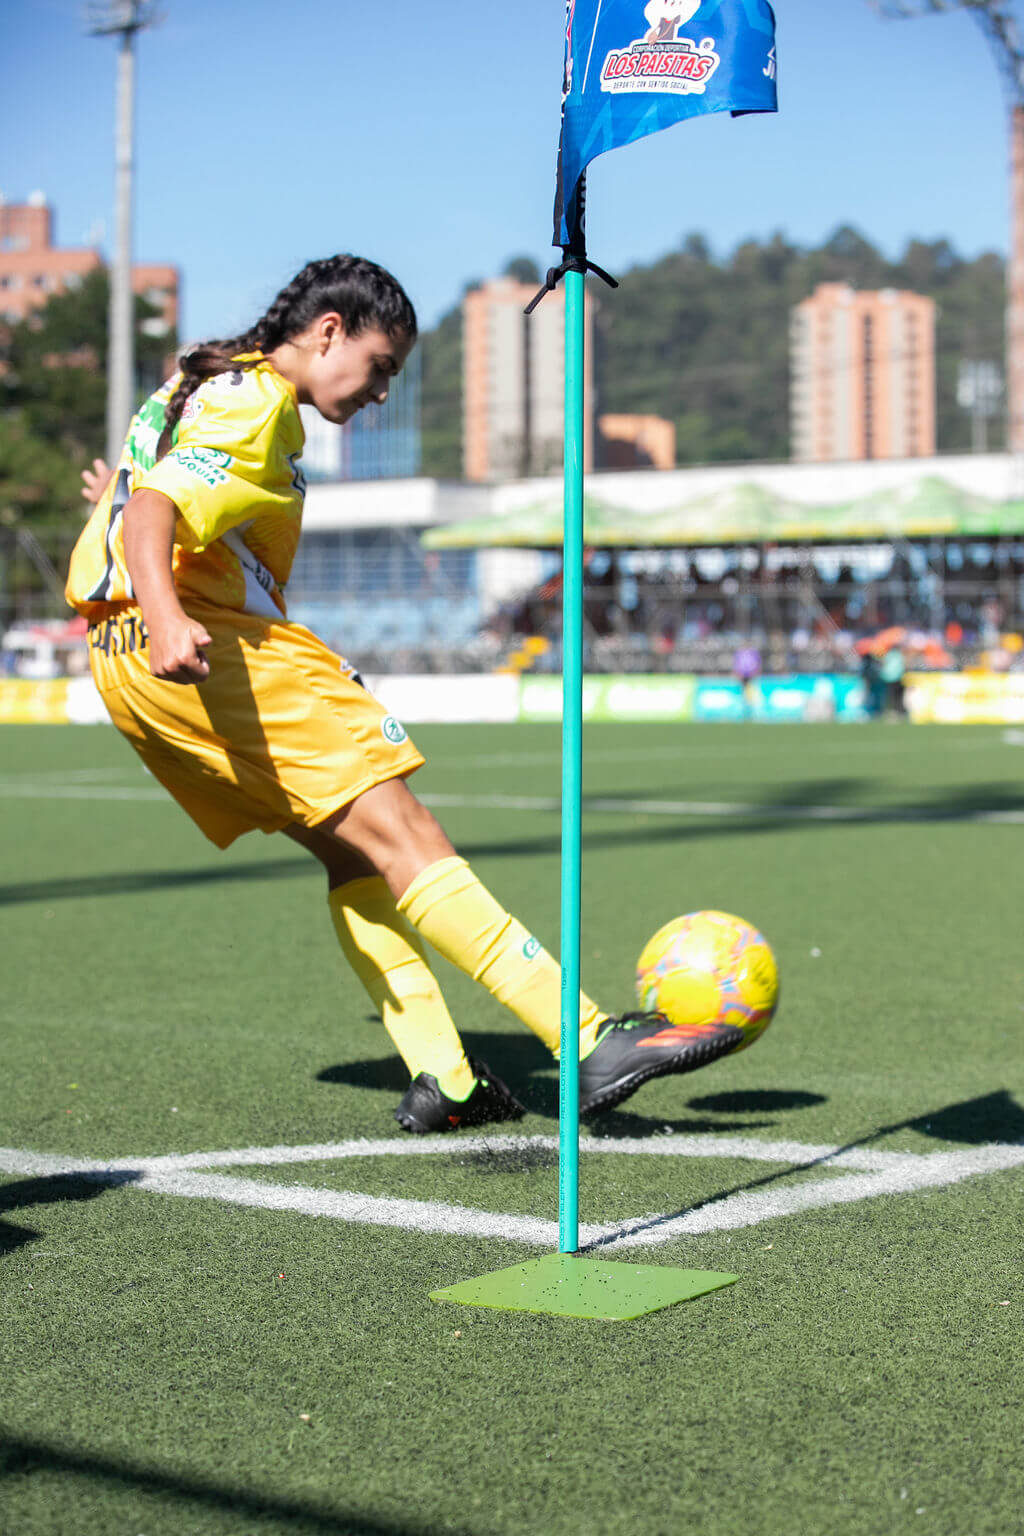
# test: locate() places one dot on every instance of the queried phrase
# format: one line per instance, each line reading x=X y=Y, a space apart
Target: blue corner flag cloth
x=633 y=67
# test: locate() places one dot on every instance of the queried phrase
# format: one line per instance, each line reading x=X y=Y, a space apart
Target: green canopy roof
x=536 y=526
x=746 y=513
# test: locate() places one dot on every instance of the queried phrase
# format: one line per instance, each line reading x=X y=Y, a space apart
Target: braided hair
x=361 y=292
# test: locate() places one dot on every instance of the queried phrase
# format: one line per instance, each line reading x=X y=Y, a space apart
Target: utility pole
x=996 y=19
x=123 y=19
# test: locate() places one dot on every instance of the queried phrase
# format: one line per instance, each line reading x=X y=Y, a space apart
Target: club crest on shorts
x=393 y=730
x=661 y=60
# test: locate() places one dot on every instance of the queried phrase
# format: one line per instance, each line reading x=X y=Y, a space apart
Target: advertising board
x=954 y=698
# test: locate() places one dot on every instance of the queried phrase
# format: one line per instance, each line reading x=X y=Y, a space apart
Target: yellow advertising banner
x=32 y=701
x=965 y=698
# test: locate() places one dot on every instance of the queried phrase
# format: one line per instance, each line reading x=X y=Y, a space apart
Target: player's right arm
x=95 y=481
x=176 y=641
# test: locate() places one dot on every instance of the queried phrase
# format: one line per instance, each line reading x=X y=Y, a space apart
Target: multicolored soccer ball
x=710 y=967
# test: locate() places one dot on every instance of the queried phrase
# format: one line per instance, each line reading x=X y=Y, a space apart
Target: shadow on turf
x=528 y=1069
x=53 y=1189
x=786 y=809
x=12 y=1237
x=24 y=1458
x=993 y=1117
x=621 y=1123
x=130 y=881
x=975 y=1122
x=752 y=1101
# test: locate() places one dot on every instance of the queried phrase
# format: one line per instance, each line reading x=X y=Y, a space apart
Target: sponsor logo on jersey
x=393 y=730
x=207 y=464
x=144 y=432
x=120 y=635
x=661 y=60
x=192 y=408
x=143 y=443
x=531 y=949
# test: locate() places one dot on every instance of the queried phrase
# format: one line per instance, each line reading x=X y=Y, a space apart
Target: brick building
x=33 y=268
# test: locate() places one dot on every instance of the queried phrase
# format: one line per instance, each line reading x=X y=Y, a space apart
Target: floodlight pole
x=997 y=20
x=123 y=18
x=1015 y=288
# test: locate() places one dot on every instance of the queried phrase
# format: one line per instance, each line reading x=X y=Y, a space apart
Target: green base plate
x=564 y=1285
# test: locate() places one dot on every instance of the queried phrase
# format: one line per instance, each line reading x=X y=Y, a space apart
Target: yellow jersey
x=232 y=472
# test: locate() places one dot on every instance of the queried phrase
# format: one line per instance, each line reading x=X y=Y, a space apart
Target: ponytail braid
x=278 y=324
x=203 y=362
x=361 y=292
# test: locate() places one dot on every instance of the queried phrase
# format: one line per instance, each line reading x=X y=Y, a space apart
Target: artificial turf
x=158 y=1355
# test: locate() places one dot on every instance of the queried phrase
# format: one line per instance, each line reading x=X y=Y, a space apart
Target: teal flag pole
x=572 y=767
x=567 y=1283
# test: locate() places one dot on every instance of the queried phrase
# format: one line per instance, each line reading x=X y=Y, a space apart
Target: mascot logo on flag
x=665 y=17
x=662 y=60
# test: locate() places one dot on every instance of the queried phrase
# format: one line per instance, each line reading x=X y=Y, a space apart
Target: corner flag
x=630 y=68
x=633 y=68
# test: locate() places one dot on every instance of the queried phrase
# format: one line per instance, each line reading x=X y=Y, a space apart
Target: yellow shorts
x=281 y=731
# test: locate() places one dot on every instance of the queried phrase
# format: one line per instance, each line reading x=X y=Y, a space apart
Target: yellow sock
x=447 y=905
x=388 y=957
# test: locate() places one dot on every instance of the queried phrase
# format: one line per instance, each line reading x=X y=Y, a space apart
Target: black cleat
x=635 y=1047
x=424 y=1107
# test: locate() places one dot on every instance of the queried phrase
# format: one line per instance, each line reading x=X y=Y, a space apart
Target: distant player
x=250 y=721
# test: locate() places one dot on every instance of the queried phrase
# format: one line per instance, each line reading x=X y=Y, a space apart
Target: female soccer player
x=250 y=721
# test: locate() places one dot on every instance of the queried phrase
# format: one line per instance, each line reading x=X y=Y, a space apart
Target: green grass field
x=242 y=1341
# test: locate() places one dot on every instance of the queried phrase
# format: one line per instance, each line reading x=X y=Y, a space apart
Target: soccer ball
x=710 y=967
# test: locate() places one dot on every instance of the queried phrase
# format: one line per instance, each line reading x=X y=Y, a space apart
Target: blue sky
x=422 y=133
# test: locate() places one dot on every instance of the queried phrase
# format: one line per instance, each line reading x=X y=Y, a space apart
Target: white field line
x=81 y=775
x=884 y=1173
x=872 y=741
x=749 y=1208
x=341 y=1205
x=117 y=778
x=46 y=1165
x=554 y=757
x=364 y=1210
x=746 y=1148
x=604 y=805
x=67 y=780
x=84 y=784
x=619 y=806
x=14 y=789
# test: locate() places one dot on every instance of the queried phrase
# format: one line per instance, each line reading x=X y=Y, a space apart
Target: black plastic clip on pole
x=574 y=255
